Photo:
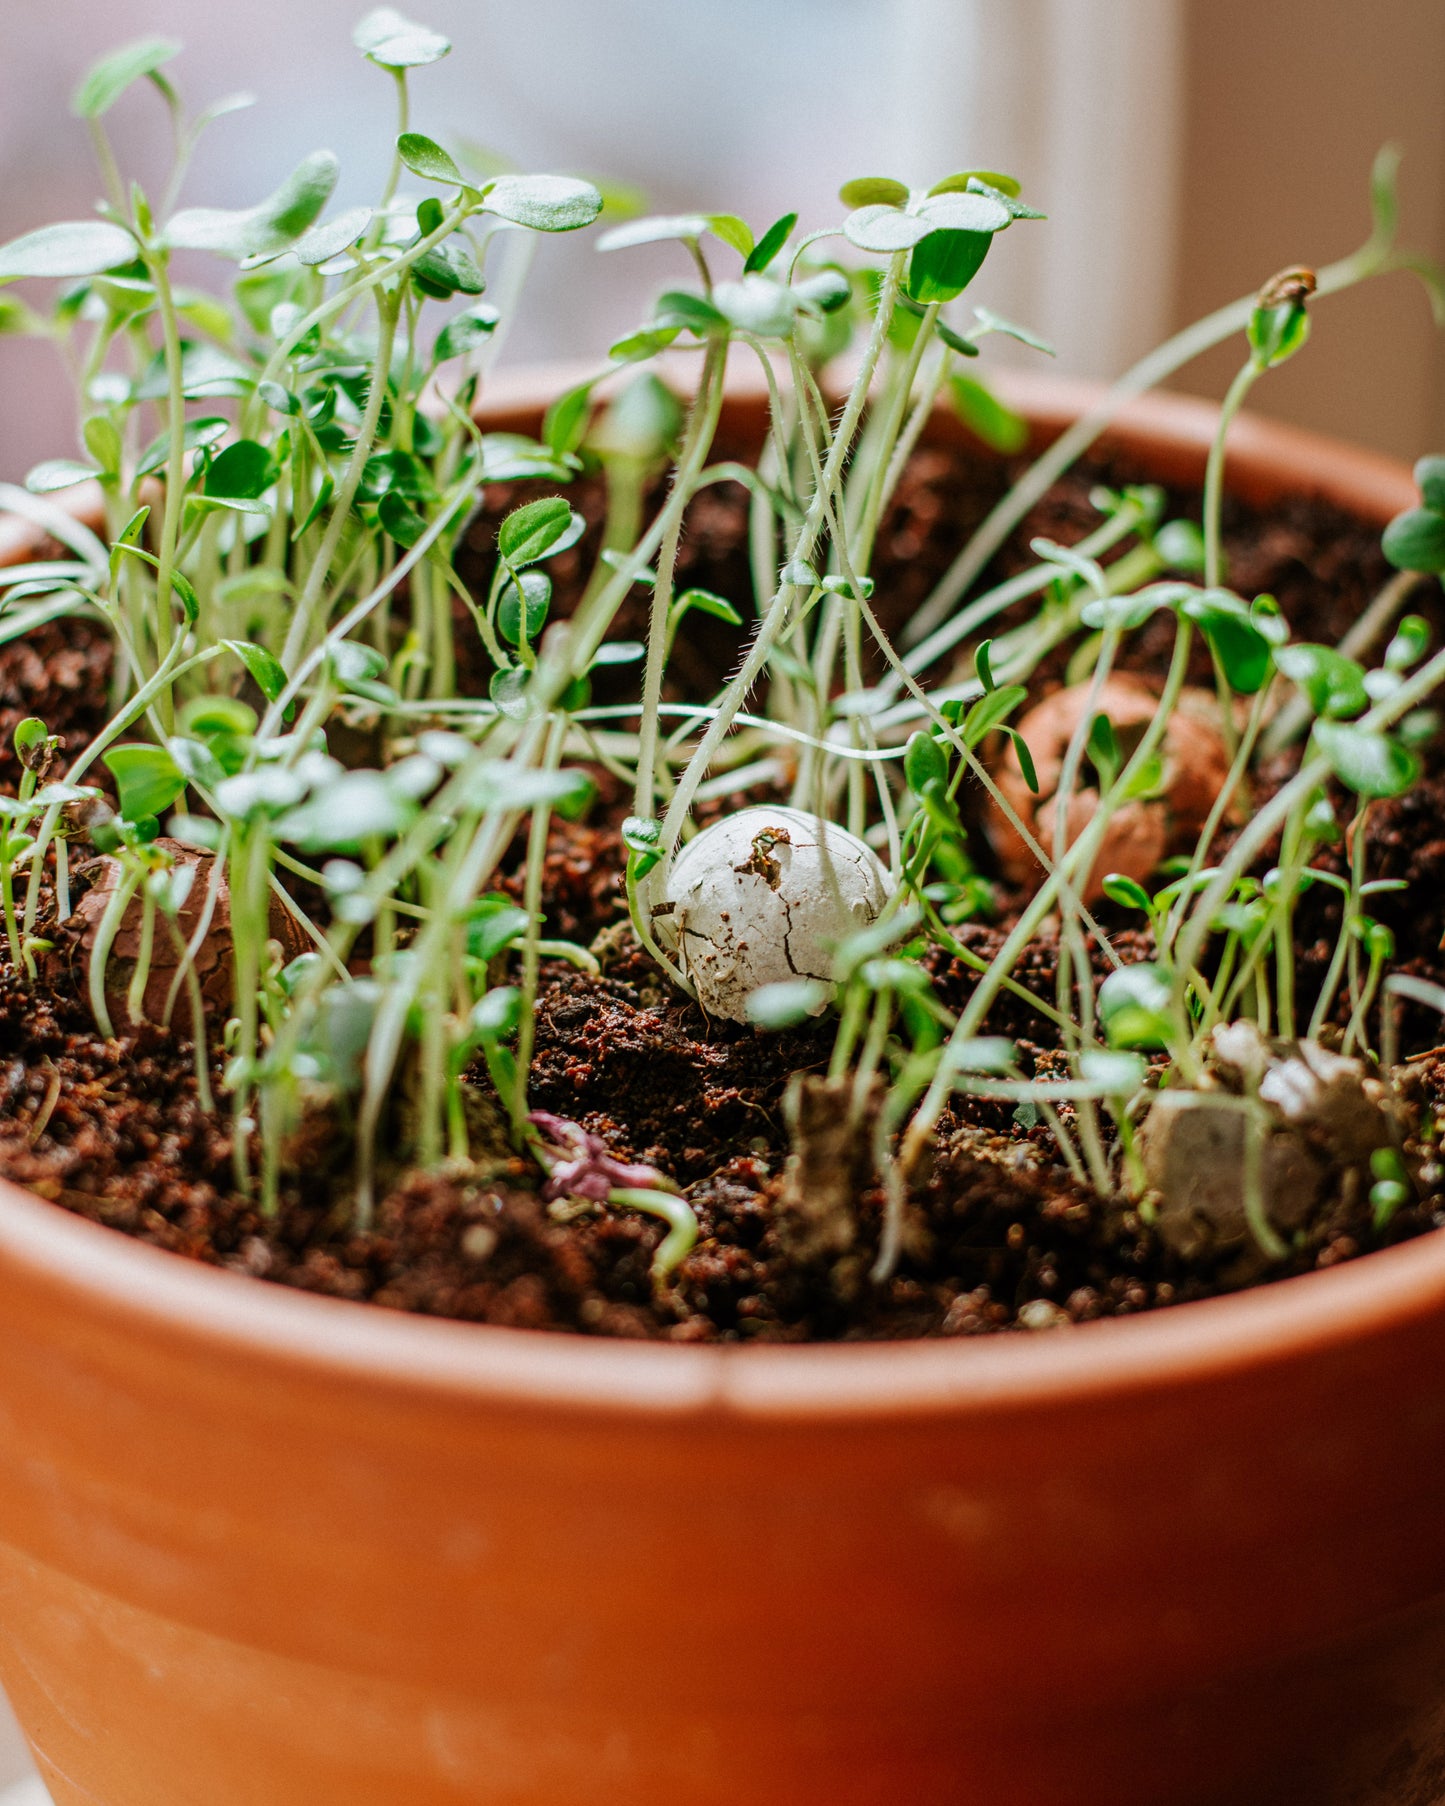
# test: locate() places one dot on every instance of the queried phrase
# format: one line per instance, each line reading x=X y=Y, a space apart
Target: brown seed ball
x=1141 y=833
x=213 y=963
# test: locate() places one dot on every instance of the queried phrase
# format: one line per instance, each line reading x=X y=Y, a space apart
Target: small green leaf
x=197 y=433
x=522 y=607
x=211 y=718
x=267 y=671
x=654 y=229
x=732 y=231
x=836 y=585
x=1368 y=762
x=266 y=229
x=357 y=807
x=992 y=322
x=544 y=203
x=638 y=346
x=991 y=711
x=968 y=212
x=757 y=305
x=565 y=425
x=705 y=602
x=1126 y=892
x=884 y=229
x=465 y=331
x=147 y=778
x=493 y=924
x=1333 y=684
x=58 y=473
x=73 y=248
x=539 y=530
x=1228 y=624
x=1430 y=481
x=1135 y=1006
x=1415 y=540
x=395 y=42
x=679 y=307
x=242 y=472
x=873 y=191
x=1025 y=759
x=425 y=157
x=104 y=82
x=1276 y=333
x=329 y=238
x=769 y=245
x=827 y=290
x=447 y=269
x=400 y=519
x=945 y=262
x=988 y=418
x=959 y=182
x=1411 y=642
x=924 y=762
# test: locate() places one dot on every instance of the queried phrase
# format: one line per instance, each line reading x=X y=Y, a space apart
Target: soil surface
x=997 y=1235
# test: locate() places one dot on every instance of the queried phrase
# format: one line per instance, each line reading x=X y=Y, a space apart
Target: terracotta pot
x=259 y=1548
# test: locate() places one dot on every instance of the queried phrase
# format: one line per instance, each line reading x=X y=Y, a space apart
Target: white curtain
x=1083 y=100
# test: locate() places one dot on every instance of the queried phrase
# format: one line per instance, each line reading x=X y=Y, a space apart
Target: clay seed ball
x=763 y=897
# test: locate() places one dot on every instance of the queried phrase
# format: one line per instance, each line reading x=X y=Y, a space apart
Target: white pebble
x=763 y=897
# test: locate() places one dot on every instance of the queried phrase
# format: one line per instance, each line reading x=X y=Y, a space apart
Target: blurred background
x=1184 y=149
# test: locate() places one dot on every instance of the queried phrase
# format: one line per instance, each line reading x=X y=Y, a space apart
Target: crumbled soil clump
x=997 y=1235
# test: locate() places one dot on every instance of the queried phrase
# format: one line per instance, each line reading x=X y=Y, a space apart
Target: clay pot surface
x=263 y=1548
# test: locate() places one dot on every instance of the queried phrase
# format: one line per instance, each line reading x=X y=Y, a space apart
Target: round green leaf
x=147 y=778
x=732 y=231
x=267 y=671
x=447 y=269
x=785 y=1005
x=1367 y=762
x=924 y=762
x=330 y=237
x=884 y=229
x=944 y=263
x=464 y=332
x=991 y=178
x=1333 y=684
x=874 y=191
x=1134 y=1006
x=524 y=602
x=1415 y=540
x=707 y=603
x=757 y=305
x=425 y=157
x=545 y=203
x=966 y=213
x=539 y=530
x=654 y=229
x=72 y=248
x=104 y=82
x=243 y=471
x=396 y=42
x=1430 y=480
x=357 y=807
x=58 y=473
x=266 y=229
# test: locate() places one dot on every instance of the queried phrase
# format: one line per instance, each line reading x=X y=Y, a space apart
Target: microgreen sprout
x=350 y=737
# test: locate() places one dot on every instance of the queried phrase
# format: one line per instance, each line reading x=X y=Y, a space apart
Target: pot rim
x=159 y=1295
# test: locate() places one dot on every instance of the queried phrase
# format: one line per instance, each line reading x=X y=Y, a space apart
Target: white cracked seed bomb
x=764 y=896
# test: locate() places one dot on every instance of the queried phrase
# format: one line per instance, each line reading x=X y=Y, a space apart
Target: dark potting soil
x=997 y=1235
